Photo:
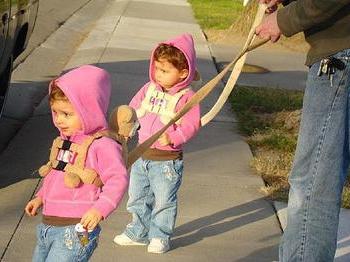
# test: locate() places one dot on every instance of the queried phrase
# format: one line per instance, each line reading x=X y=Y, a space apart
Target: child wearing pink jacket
x=156 y=177
x=79 y=100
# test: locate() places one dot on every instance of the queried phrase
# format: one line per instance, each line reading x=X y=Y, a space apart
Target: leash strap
x=236 y=71
x=206 y=89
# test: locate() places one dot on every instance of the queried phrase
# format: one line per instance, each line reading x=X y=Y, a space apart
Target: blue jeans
x=320 y=167
x=153 y=199
x=62 y=244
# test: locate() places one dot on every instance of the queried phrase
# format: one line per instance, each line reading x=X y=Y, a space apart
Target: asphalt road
x=51 y=15
x=60 y=28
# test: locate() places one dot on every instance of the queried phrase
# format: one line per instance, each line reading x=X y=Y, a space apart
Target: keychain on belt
x=329 y=65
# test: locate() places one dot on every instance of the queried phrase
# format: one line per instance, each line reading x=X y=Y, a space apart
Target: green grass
x=346 y=195
x=276 y=141
x=273 y=146
x=216 y=14
x=250 y=102
x=266 y=100
x=262 y=113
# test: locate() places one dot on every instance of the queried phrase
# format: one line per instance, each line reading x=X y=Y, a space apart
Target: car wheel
x=5 y=79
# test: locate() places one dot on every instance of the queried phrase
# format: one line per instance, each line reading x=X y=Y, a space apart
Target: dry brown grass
x=271 y=164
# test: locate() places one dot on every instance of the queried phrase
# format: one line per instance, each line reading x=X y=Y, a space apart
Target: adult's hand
x=269 y=28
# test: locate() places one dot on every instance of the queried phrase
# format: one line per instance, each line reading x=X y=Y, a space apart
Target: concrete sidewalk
x=222 y=216
x=285 y=68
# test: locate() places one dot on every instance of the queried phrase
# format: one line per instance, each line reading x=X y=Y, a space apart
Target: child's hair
x=172 y=54
x=56 y=93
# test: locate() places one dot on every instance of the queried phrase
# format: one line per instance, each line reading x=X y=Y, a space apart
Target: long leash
x=237 y=69
x=206 y=89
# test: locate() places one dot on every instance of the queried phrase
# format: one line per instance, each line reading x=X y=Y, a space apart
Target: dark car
x=16 y=26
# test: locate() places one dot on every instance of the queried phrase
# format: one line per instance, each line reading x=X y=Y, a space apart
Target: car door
x=5 y=6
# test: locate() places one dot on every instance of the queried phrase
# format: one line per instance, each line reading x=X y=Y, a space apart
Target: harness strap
x=160 y=103
x=201 y=93
x=87 y=175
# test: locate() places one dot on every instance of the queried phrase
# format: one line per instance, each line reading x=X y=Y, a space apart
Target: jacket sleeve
x=40 y=193
x=301 y=15
x=140 y=95
x=107 y=158
x=43 y=187
x=189 y=124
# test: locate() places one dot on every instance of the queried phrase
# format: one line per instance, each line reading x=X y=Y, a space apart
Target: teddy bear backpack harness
x=70 y=157
x=160 y=103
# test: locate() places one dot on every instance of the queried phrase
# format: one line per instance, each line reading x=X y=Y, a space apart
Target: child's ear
x=184 y=73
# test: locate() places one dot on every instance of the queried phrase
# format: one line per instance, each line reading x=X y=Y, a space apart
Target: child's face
x=65 y=117
x=168 y=75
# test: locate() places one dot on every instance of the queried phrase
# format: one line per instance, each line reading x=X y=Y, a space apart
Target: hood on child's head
x=88 y=89
x=185 y=44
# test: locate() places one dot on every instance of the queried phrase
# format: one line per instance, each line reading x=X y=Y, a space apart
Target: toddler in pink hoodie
x=156 y=177
x=71 y=213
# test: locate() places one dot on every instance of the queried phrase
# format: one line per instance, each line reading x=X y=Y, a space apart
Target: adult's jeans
x=62 y=244
x=320 y=167
x=153 y=198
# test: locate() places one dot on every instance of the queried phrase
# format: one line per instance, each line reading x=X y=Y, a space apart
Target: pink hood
x=185 y=44
x=88 y=88
x=190 y=123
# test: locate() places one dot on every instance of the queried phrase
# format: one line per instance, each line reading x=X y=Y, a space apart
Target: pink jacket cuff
x=104 y=207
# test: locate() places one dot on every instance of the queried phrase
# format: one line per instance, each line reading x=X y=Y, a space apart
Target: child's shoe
x=124 y=240
x=158 y=246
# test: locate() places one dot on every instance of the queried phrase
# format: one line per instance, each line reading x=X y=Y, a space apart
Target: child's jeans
x=62 y=244
x=153 y=198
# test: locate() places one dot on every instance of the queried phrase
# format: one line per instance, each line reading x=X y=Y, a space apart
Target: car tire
x=5 y=80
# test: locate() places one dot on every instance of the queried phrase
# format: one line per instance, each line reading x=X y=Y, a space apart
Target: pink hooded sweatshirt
x=88 y=88
x=190 y=123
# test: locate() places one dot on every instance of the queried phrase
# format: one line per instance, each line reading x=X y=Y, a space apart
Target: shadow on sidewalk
x=33 y=135
x=262 y=255
x=27 y=147
x=221 y=222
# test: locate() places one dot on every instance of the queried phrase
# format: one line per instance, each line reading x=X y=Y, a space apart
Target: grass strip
x=269 y=119
x=216 y=14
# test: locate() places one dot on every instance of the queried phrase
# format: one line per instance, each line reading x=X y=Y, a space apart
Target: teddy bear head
x=123 y=121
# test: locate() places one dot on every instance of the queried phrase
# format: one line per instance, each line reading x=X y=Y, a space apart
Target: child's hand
x=164 y=139
x=91 y=218
x=33 y=206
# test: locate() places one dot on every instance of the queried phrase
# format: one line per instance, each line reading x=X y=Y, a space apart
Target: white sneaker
x=124 y=240
x=158 y=246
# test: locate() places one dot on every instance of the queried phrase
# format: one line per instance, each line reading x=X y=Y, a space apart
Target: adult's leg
x=319 y=169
